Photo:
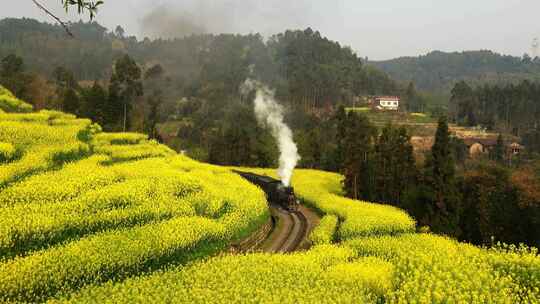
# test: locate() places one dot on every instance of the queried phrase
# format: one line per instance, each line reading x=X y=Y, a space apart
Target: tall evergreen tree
x=71 y=101
x=395 y=168
x=358 y=163
x=13 y=77
x=341 y=132
x=498 y=153
x=95 y=104
x=151 y=120
x=462 y=104
x=125 y=86
x=405 y=173
x=413 y=101
x=67 y=90
x=440 y=178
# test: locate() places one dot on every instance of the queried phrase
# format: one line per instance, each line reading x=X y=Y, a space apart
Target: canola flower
x=9 y=103
x=226 y=214
x=7 y=152
x=52 y=207
x=92 y=217
x=81 y=207
x=40 y=146
x=324 y=233
x=106 y=139
x=322 y=191
x=426 y=268
x=436 y=269
x=325 y=274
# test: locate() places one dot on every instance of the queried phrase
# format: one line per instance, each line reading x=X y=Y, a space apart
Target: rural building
x=515 y=148
x=385 y=103
x=479 y=146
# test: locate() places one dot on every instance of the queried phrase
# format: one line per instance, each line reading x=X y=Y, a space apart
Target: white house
x=386 y=103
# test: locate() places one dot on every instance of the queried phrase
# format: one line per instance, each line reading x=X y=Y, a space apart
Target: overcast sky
x=379 y=29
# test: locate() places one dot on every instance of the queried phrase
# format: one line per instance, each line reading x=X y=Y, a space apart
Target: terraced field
x=82 y=207
x=92 y=217
x=353 y=260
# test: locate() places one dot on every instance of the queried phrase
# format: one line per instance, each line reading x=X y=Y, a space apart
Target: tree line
x=511 y=108
x=194 y=102
x=478 y=201
x=438 y=72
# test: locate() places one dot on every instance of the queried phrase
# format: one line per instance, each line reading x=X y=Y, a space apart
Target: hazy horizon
x=383 y=30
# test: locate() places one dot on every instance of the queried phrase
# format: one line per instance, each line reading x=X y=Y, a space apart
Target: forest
x=438 y=72
x=481 y=200
x=512 y=108
x=187 y=82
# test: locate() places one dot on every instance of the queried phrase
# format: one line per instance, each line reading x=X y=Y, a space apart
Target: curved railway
x=290 y=224
x=289 y=233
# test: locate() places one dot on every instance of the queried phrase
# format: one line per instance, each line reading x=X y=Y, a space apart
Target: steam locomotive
x=276 y=192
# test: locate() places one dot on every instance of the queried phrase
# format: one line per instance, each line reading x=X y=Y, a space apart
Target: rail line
x=288 y=233
x=291 y=223
x=298 y=233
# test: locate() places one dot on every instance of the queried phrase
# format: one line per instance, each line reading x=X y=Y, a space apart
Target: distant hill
x=439 y=71
x=303 y=66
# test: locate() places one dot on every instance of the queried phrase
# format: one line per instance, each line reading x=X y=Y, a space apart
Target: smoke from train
x=270 y=114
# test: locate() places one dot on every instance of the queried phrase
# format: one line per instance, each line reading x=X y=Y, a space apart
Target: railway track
x=291 y=223
x=288 y=233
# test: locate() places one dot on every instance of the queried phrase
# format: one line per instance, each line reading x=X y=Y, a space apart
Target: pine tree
x=411 y=98
x=498 y=152
x=94 y=103
x=405 y=172
x=384 y=158
x=341 y=122
x=151 y=120
x=358 y=163
x=125 y=86
x=71 y=101
x=112 y=115
x=440 y=179
x=395 y=165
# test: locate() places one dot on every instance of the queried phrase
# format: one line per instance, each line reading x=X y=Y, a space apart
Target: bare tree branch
x=62 y=23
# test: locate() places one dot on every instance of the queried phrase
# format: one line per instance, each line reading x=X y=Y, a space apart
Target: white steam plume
x=270 y=113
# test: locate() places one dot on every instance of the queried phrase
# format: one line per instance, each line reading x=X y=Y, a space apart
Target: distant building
x=515 y=148
x=385 y=103
x=479 y=146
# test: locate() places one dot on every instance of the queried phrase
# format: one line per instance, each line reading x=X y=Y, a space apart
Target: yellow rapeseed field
x=88 y=216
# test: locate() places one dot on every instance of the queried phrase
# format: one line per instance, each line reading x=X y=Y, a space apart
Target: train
x=276 y=192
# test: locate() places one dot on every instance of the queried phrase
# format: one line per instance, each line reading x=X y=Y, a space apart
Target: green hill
x=439 y=71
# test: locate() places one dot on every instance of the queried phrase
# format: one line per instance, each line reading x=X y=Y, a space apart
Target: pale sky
x=379 y=29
